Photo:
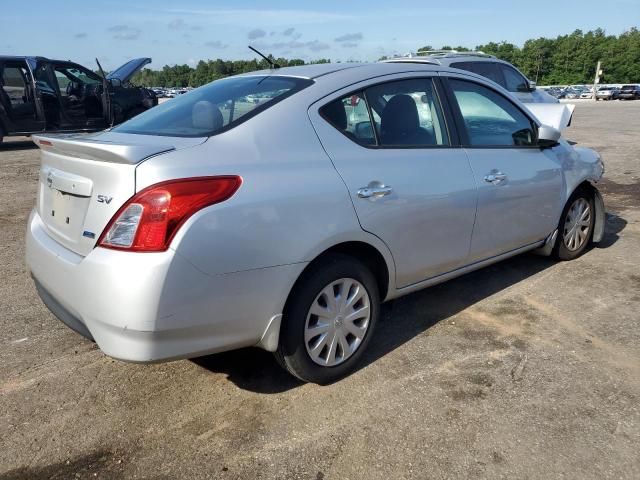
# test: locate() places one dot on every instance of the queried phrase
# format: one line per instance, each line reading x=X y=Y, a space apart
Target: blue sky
x=185 y=31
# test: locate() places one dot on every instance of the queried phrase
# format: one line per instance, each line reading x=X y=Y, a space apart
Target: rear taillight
x=150 y=219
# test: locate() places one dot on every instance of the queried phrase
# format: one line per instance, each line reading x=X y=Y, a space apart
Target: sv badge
x=104 y=199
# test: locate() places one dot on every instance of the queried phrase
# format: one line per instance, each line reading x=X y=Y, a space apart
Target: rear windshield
x=214 y=108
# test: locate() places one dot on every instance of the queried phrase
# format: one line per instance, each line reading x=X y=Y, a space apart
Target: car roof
x=329 y=70
x=34 y=57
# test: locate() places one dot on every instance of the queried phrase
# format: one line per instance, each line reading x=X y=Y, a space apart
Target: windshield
x=215 y=107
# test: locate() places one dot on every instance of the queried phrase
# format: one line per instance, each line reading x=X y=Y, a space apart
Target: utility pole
x=596 y=81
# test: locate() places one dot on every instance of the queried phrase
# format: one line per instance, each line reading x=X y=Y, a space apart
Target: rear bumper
x=147 y=307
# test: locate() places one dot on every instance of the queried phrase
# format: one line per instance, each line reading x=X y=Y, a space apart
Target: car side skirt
x=463 y=270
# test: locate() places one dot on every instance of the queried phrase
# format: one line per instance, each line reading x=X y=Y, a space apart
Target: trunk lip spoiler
x=91 y=149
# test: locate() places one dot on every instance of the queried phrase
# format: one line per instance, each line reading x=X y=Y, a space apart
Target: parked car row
x=279 y=208
x=604 y=92
x=163 y=92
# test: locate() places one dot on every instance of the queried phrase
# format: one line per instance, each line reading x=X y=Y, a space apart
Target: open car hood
x=129 y=69
x=556 y=115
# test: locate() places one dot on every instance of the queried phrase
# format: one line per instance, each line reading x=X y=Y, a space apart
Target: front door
x=409 y=186
x=80 y=94
x=519 y=184
x=17 y=98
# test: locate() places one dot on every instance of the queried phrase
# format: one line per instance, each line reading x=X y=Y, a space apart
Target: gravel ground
x=527 y=369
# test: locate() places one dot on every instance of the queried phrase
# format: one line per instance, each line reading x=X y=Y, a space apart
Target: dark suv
x=42 y=95
x=629 y=92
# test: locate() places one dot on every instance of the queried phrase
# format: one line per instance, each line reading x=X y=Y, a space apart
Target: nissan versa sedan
x=213 y=222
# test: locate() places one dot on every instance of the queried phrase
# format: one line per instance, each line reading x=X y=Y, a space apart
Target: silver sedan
x=215 y=221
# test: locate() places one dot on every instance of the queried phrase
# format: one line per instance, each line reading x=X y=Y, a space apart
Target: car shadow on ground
x=7 y=146
x=401 y=320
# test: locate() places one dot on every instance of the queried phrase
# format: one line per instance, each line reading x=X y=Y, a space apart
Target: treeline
x=207 y=71
x=566 y=59
x=572 y=59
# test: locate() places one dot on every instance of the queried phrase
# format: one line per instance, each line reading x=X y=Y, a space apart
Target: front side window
x=486 y=69
x=514 y=82
x=215 y=107
x=490 y=119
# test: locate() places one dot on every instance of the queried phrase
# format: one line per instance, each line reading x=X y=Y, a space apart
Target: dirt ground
x=527 y=369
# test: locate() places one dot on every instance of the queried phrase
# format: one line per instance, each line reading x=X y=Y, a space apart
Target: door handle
x=374 y=190
x=495 y=177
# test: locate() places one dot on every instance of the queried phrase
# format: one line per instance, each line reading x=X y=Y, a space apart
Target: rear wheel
x=329 y=320
x=576 y=226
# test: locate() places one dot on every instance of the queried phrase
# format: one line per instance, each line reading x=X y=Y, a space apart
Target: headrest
x=207 y=116
x=400 y=116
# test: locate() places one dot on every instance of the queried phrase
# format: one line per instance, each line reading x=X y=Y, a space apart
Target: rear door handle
x=374 y=190
x=495 y=177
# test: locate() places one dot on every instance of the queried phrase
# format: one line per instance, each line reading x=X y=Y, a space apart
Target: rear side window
x=214 y=108
x=486 y=69
x=490 y=119
x=407 y=113
x=404 y=113
x=14 y=83
x=350 y=116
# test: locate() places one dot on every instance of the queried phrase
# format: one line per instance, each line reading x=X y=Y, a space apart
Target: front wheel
x=329 y=320
x=576 y=226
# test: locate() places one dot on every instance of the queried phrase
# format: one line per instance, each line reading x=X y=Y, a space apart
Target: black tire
x=563 y=250
x=292 y=350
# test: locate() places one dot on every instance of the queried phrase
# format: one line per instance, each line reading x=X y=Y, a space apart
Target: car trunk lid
x=84 y=180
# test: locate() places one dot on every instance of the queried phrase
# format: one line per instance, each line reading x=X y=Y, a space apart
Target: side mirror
x=115 y=82
x=527 y=86
x=548 y=136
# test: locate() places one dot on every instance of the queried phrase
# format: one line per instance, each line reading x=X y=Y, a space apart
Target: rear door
x=17 y=97
x=519 y=184
x=409 y=184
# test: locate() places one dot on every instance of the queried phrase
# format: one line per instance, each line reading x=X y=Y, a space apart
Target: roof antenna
x=269 y=61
